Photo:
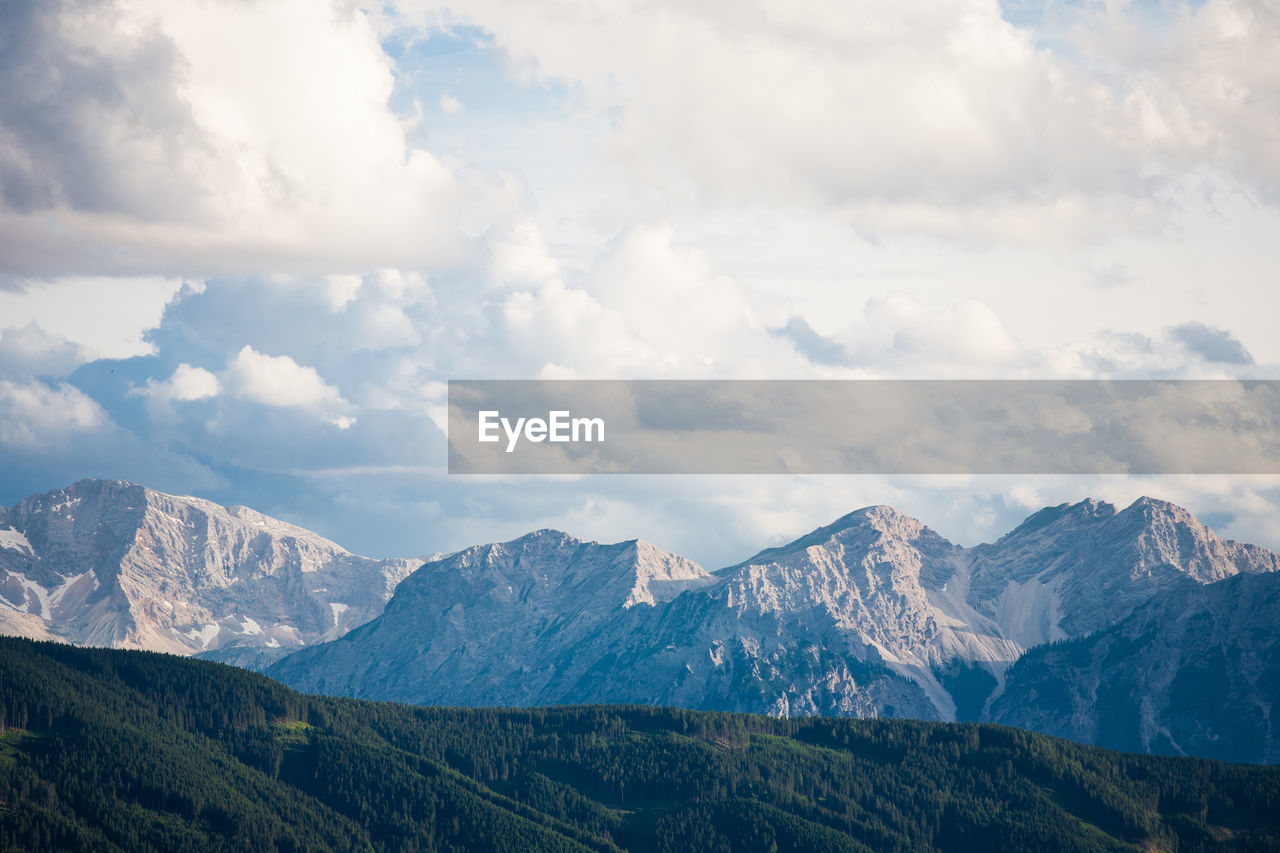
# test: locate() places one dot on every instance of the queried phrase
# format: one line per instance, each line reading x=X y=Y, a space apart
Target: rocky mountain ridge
x=108 y=563
x=874 y=614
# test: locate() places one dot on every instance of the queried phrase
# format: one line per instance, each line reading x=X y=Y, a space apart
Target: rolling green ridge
x=115 y=750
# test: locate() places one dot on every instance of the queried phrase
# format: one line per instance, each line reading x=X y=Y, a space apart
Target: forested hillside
x=115 y=750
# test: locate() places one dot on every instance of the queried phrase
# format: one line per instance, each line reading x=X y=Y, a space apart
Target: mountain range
x=108 y=563
x=1137 y=628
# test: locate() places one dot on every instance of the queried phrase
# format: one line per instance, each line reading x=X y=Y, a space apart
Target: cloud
x=646 y=306
x=341 y=289
x=31 y=351
x=899 y=336
x=1211 y=344
x=180 y=135
x=54 y=433
x=1187 y=351
x=35 y=415
x=89 y=122
x=281 y=381
x=187 y=383
x=1203 y=85
x=810 y=344
x=105 y=317
x=520 y=256
x=1111 y=276
x=911 y=116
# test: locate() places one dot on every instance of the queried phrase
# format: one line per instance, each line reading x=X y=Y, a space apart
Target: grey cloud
x=1112 y=275
x=31 y=351
x=91 y=121
x=1211 y=344
x=813 y=346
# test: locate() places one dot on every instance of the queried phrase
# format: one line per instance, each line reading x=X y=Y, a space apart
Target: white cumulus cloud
x=186 y=383
x=34 y=415
x=278 y=380
x=913 y=115
x=215 y=136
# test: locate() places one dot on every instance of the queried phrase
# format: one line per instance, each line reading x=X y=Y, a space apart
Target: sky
x=244 y=245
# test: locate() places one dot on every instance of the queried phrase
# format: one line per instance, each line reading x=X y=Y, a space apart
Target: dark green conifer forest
x=134 y=751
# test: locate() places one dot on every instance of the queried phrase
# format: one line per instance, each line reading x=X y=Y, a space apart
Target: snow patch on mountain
x=14 y=540
x=205 y=635
x=38 y=598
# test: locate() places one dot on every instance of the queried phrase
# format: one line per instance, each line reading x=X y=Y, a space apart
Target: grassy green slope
x=112 y=750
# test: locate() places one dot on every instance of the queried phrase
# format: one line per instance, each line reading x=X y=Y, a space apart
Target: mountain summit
x=506 y=624
x=1097 y=564
x=110 y=563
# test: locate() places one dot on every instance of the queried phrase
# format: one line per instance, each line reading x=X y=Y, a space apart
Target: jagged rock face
x=797 y=630
x=547 y=619
x=1076 y=569
x=816 y=627
x=115 y=564
x=1194 y=671
x=837 y=622
x=512 y=623
x=865 y=575
x=873 y=614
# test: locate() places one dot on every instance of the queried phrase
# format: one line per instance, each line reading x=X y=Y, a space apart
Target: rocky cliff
x=108 y=563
